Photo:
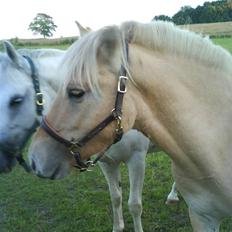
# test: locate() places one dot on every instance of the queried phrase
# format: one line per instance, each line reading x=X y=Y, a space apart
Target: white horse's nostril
x=33 y=166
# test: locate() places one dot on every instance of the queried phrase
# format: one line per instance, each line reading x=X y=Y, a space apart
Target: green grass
x=35 y=46
x=60 y=46
x=81 y=202
x=224 y=42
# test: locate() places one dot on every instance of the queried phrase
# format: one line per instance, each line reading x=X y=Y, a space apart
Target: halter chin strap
x=39 y=102
x=73 y=145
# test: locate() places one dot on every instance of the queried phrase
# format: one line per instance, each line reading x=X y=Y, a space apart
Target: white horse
x=179 y=93
x=18 y=114
x=18 y=99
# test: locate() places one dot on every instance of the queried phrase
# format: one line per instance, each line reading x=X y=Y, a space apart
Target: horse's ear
x=13 y=54
x=82 y=30
x=110 y=47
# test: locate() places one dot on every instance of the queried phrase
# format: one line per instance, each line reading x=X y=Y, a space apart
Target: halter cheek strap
x=74 y=144
x=39 y=102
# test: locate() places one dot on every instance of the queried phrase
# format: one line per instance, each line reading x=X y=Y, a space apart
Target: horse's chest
x=206 y=194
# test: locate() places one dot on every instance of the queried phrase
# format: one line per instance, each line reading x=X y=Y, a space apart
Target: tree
x=43 y=24
x=183 y=16
x=216 y=11
x=162 y=17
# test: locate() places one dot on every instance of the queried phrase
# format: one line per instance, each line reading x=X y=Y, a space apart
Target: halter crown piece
x=115 y=115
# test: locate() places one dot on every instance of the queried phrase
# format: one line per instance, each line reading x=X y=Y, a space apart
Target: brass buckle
x=119 y=126
x=39 y=103
x=73 y=148
x=119 y=86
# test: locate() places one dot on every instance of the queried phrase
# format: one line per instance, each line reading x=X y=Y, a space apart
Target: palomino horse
x=18 y=107
x=179 y=94
x=132 y=151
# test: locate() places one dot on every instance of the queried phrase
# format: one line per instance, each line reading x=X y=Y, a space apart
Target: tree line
x=210 y=12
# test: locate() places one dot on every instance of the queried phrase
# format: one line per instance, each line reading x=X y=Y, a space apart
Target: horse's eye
x=16 y=100
x=75 y=93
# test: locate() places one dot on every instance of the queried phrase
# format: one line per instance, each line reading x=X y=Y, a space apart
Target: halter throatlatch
x=39 y=109
x=115 y=115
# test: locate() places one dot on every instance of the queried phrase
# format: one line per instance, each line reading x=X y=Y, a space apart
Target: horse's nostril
x=55 y=173
x=33 y=166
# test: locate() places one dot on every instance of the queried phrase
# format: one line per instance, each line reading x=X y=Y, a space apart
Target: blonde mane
x=165 y=37
x=80 y=62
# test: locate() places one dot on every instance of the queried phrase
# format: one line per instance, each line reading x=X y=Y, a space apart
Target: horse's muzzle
x=7 y=162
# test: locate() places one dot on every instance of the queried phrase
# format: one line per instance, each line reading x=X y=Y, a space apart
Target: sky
x=16 y=15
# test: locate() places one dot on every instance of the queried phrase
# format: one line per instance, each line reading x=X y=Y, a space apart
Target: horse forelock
x=165 y=37
x=80 y=64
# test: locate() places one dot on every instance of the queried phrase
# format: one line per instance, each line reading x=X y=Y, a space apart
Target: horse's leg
x=136 y=168
x=203 y=223
x=173 y=196
x=113 y=177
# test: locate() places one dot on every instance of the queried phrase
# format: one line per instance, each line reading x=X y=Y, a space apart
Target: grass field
x=81 y=202
x=224 y=42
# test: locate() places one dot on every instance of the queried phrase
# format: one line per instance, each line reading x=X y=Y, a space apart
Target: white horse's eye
x=75 y=93
x=16 y=100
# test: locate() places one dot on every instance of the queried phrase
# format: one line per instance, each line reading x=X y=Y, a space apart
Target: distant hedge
x=42 y=42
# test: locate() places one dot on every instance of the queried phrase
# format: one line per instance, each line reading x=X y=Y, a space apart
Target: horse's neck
x=149 y=80
x=178 y=104
x=48 y=69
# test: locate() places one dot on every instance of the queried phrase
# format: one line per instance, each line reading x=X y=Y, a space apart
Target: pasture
x=224 y=42
x=220 y=29
x=81 y=202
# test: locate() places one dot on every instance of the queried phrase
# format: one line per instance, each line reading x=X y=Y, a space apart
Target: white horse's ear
x=82 y=30
x=15 y=57
x=109 y=47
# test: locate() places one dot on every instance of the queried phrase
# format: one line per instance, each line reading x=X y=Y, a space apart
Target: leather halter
x=39 y=102
x=73 y=145
x=35 y=80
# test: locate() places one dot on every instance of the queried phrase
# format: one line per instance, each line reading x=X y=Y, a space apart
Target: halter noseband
x=39 y=102
x=73 y=145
